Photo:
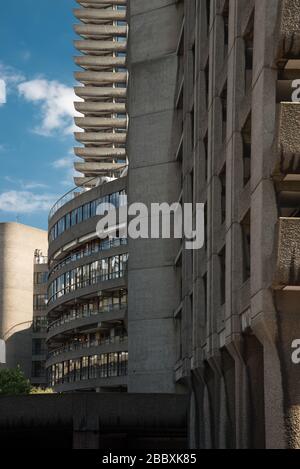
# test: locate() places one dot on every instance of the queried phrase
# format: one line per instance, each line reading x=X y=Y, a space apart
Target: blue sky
x=36 y=137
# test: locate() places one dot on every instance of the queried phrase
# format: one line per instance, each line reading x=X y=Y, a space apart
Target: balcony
x=287 y=272
x=69 y=320
x=289 y=30
x=288 y=165
x=80 y=346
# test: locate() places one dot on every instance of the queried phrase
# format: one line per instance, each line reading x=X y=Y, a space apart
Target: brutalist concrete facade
x=211 y=121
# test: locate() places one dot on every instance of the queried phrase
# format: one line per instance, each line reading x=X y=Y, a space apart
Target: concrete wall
x=153 y=177
x=17 y=246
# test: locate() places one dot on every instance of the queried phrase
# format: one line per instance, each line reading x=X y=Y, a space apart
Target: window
x=222 y=179
x=208 y=15
x=39 y=302
x=40 y=278
x=248 y=41
x=39 y=324
x=38 y=369
x=247 y=144
x=224 y=112
x=222 y=264
x=246 y=245
x=226 y=25
x=38 y=347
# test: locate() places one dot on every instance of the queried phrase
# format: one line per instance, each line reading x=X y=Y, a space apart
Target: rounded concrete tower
x=18 y=244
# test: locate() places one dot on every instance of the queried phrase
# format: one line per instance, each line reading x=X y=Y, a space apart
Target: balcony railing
x=93 y=373
x=87 y=283
x=75 y=346
x=72 y=194
x=103 y=246
x=70 y=317
x=287 y=273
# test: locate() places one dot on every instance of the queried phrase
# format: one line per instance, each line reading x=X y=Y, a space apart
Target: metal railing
x=86 y=283
x=70 y=317
x=77 y=345
x=104 y=246
x=78 y=190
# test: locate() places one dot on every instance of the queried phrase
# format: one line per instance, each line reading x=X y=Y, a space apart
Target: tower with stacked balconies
x=103 y=44
x=87 y=334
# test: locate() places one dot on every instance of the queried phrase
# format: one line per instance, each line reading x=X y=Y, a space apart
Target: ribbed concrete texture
x=212 y=121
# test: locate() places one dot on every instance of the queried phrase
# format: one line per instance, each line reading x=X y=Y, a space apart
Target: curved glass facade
x=84 y=212
x=105 y=365
x=88 y=249
x=110 y=268
x=112 y=302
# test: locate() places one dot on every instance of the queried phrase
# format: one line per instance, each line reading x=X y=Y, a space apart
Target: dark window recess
x=208 y=14
x=205 y=142
x=224 y=112
x=226 y=25
x=38 y=369
x=206 y=71
x=193 y=127
x=247 y=148
x=222 y=261
x=249 y=41
x=222 y=178
x=246 y=244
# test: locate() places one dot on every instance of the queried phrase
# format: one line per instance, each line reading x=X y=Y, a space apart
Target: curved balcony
x=96 y=3
x=99 y=15
x=98 y=47
x=101 y=78
x=101 y=137
x=94 y=123
x=75 y=350
x=91 y=373
x=100 y=247
x=100 y=152
x=98 y=31
x=99 y=109
x=95 y=62
x=97 y=92
x=92 y=281
x=77 y=319
x=95 y=168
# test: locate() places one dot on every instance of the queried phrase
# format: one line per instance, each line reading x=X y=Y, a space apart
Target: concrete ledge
x=287 y=274
x=289 y=29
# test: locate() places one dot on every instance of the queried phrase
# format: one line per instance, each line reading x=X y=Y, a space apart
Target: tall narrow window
x=208 y=15
x=226 y=25
x=249 y=40
x=224 y=112
x=222 y=178
x=246 y=244
x=222 y=263
x=247 y=145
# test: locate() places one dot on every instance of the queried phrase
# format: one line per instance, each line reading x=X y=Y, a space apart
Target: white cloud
x=56 y=101
x=26 y=202
x=10 y=75
x=66 y=164
x=27 y=185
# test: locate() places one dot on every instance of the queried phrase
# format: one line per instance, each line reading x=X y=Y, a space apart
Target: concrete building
x=22 y=301
x=103 y=43
x=87 y=307
x=211 y=121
